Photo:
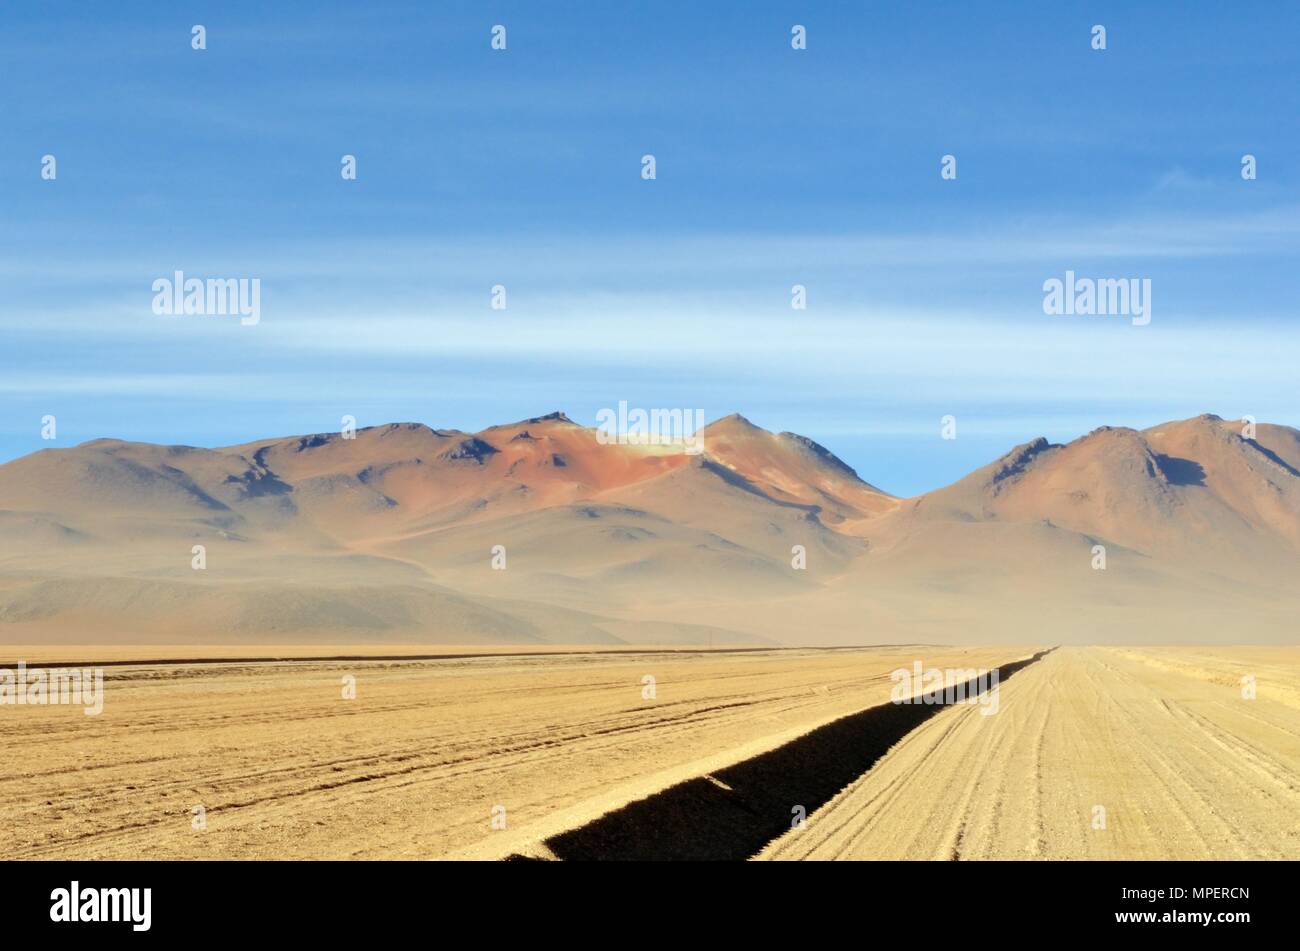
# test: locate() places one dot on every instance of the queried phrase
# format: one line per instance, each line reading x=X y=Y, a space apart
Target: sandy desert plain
x=526 y=642
x=586 y=767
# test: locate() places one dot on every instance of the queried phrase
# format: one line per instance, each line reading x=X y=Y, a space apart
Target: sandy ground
x=173 y=654
x=285 y=767
x=1162 y=739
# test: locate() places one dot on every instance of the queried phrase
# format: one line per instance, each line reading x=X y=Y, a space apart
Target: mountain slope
x=538 y=531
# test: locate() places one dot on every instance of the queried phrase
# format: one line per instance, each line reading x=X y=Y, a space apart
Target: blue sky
x=775 y=167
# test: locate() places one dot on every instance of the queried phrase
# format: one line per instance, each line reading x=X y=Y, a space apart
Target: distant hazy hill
x=390 y=536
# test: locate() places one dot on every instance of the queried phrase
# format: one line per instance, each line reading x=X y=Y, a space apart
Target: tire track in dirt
x=1182 y=766
x=732 y=813
x=412 y=767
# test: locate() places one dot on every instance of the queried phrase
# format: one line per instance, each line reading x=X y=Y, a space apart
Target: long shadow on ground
x=733 y=813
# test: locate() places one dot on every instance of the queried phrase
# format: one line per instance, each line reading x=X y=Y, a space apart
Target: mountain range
x=541 y=532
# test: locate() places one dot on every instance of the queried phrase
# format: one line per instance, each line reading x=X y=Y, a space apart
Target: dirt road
x=1094 y=754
